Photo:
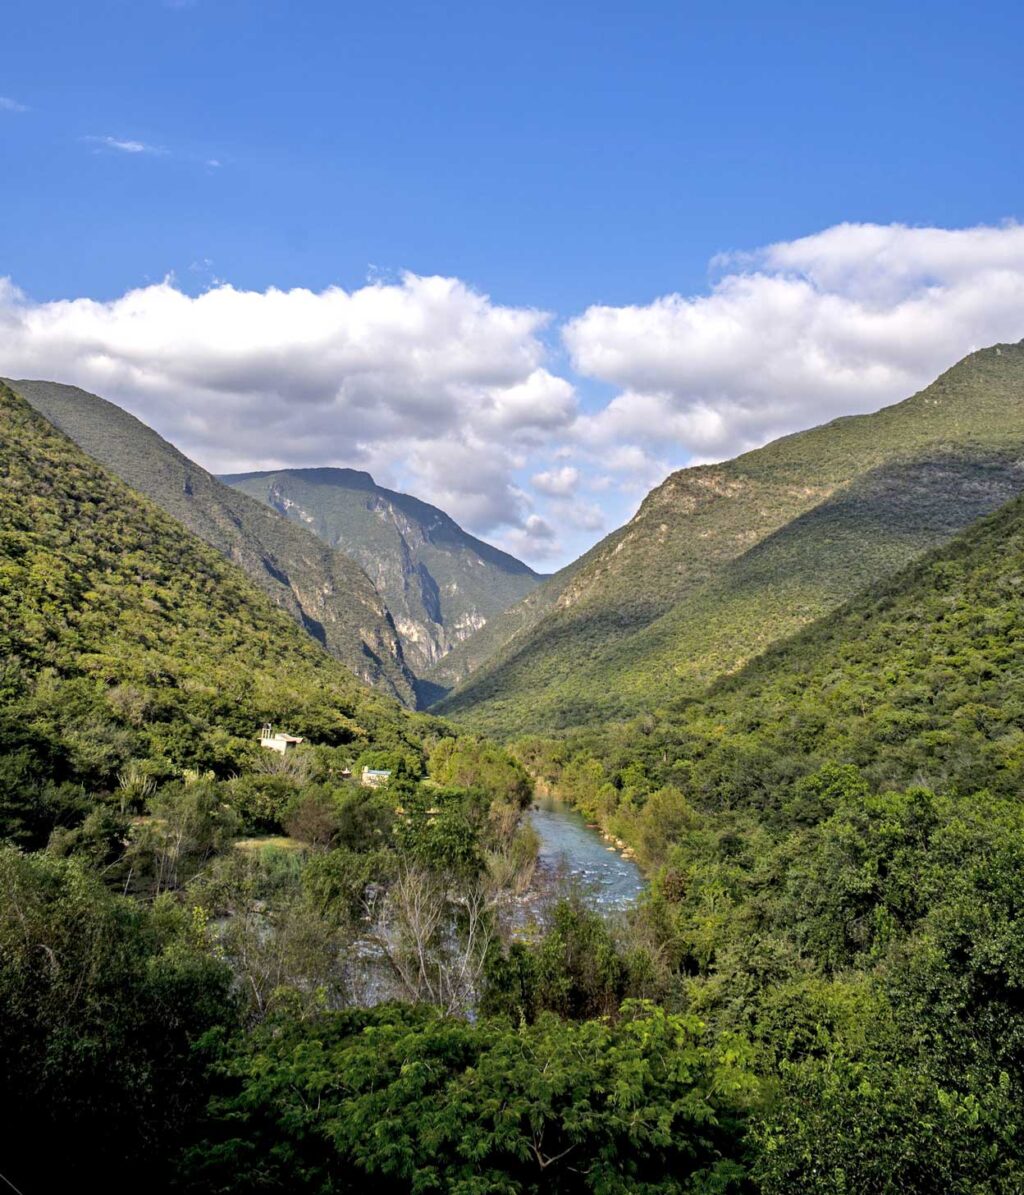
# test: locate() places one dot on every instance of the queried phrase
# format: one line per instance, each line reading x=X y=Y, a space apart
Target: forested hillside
x=327 y=593
x=167 y=886
x=915 y=682
x=440 y=583
x=835 y=835
x=723 y=560
x=128 y=644
x=223 y=970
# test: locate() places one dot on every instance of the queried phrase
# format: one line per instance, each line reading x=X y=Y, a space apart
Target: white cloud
x=846 y=320
x=532 y=409
x=535 y=540
x=585 y=516
x=425 y=382
x=126 y=146
x=9 y=105
x=557 y=483
x=436 y=389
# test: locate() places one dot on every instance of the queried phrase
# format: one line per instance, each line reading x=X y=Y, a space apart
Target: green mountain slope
x=917 y=681
x=123 y=637
x=440 y=583
x=723 y=560
x=324 y=591
x=473 y=653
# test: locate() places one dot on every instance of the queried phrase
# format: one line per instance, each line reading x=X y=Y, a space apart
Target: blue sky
x=555 y=156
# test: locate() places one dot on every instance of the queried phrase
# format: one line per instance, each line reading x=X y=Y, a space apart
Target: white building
x=278 y=740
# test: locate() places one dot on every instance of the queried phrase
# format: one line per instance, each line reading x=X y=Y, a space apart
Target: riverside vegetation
x=821 y=990
x=184 y=917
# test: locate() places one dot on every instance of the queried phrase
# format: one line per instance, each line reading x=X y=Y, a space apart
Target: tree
x=408 y=1100
x=188 y=824
x=103 y=1006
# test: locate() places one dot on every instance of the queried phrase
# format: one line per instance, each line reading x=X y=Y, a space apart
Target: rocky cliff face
x=440 y=583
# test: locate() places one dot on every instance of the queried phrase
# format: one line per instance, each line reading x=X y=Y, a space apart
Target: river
x=569 y=847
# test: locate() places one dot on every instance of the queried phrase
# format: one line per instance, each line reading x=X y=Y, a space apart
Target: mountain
x=126 y=641
x=323 y=590
x=440 y=583
x=471 y=654
x=917 y=681
x=723 y=560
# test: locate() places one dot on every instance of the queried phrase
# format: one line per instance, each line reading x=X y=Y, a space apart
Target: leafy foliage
x=323 y=590
x=419 y=1103
x=103 y=1006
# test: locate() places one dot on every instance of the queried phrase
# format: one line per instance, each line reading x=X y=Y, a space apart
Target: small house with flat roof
x=278 y=740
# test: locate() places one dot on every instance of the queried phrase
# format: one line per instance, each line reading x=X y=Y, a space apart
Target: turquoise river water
x=569 y=847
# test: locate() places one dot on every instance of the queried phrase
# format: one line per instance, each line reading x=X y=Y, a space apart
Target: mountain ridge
x=569 y=660
x=322 y=589
x=440 y=583
x=126 y=639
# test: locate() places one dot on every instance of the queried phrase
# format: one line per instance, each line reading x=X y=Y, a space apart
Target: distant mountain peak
x=338 y=475
x=440 y=583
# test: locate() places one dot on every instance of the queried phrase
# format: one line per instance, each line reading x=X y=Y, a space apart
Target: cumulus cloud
x=584 y=516
x=9 y=105
x=438 y=390
x=423 y=381
x=796 y=333
x=557 y=483
x=535 y=540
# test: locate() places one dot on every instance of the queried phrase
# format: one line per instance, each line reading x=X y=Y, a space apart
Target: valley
x=511 y=599
x=440 y=584
x=756 y=855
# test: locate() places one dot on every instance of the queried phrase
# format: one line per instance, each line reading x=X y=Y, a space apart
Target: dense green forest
x=325 y=591
x=836 y=843
x=721 y=561
x=224 y=970
x=129 y=648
